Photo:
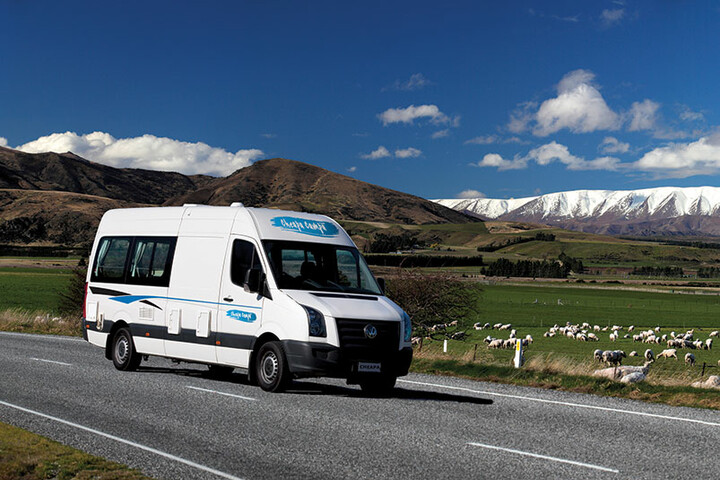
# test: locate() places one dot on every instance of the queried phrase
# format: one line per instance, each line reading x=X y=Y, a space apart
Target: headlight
x=407 y=326
x=316 y=322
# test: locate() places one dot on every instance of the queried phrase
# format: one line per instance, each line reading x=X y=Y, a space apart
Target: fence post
x=474 y=352
x=445 y=346
x=703 y=370
x=518 y=354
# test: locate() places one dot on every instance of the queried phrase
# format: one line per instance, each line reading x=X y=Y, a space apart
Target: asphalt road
x=175 y=422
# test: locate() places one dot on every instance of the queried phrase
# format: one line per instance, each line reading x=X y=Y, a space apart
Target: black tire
x=271 y=368
x=378 y=386
x=220 y=371
x=123 y=352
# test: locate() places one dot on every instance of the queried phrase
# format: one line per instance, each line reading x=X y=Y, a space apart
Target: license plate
x=366 y=367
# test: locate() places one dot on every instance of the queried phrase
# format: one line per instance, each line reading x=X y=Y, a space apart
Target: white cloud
x=471 y=194
x=415 y=82
x=440 y=134
x=378 y=153
x=579 y=107
x=547 y=154
x=482 y=140
x=495 y=160
x=643 y=115
x=409 y=152
x=521 y=117
x=268 y=135
x=411 y=113
x=147 y=151
x=613 y=145
x=684 y=159
x=3 y=142
x=688 y=115
x=612 y=17
x=352 y=169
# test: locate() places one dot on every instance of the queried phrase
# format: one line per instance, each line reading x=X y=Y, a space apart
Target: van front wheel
x=124 y=356
x=271 y=369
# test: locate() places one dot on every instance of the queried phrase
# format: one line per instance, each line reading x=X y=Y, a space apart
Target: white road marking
x=126 y=442
x=221 y=393
x=47 y=336
x=545 y=457
x=51 y=361
x=567 y=404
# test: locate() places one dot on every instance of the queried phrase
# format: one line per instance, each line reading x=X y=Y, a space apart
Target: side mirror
x=381 y=284
x=254 y=279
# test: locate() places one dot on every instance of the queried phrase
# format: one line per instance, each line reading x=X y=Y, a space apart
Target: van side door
x=240 y=309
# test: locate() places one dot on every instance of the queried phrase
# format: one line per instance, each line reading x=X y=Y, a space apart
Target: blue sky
x=506 y=99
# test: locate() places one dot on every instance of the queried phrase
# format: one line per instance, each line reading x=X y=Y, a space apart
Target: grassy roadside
x=547 y=377
x=27 y=456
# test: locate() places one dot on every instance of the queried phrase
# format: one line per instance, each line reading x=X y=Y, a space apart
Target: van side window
x=111 y=258
x=151 y=260
x=244 y=258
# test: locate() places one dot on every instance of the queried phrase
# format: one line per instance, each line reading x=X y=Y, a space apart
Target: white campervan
x=275 y=294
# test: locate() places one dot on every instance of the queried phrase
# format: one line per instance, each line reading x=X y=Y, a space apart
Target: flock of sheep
x=674 y=341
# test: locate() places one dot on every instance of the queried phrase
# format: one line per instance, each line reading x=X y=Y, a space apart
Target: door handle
x=228 y=299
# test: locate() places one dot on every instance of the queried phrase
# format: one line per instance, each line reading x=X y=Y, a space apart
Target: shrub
x=433 y=299
x=71 y=300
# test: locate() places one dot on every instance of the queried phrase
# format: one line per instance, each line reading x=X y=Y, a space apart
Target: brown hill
x=69 y=173
x=295 y=185
x=63 y=218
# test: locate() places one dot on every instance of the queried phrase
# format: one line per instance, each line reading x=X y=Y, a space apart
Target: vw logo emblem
x=370 y=331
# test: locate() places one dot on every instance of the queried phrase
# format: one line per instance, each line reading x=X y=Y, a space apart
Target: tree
x=71 y=299
x=434 y=299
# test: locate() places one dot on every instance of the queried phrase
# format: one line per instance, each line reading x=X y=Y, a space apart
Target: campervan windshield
x=319 y=267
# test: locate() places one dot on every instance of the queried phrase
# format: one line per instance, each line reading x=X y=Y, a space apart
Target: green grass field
x=533 y=309
x=31 y=289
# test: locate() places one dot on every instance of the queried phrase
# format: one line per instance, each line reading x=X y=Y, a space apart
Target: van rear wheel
x=271 y=368
x=124 y=356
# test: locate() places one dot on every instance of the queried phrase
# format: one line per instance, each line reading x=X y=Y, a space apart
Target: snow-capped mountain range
x=651 y=211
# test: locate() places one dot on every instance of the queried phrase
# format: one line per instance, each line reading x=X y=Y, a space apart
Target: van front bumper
x=308 y=359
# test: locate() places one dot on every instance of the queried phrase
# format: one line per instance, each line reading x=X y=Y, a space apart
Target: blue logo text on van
x=247 y=317
x=308 y=227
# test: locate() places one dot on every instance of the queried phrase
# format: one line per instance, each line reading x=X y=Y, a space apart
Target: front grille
x=354 y=345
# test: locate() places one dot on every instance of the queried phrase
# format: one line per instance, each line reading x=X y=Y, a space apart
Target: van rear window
x=136 y=260
x=111 y=259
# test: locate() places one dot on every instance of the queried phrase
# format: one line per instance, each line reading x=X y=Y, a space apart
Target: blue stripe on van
x=128 y=299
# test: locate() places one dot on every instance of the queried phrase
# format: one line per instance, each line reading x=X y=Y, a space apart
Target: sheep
x=597 y=355
x=613 y=357
x=415 y=341
x=596 y=328
x=592 y=337
x=657 y=329
x=580 y=337
x=506 y=326
x=708 y=344
x=497 y=326
x=632 y=354
x=529 y=338
x=613 y=336
x=452 y=324
x=714 y=333
x=497 y=343
x=631 y=328
x=690 y=359
x=509 y=343
x=458 y=336
x=668 y=353
x=478 y=326
x=649 y=355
